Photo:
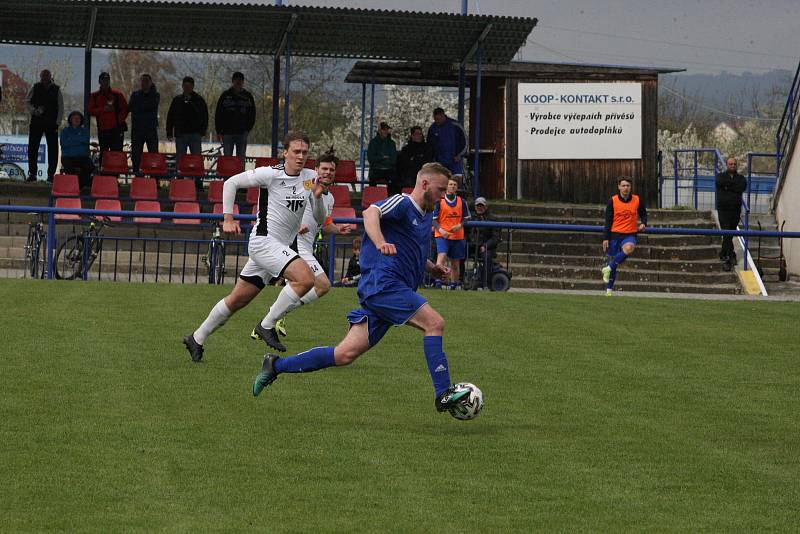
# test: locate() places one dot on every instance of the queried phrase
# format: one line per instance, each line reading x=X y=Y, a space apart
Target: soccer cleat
x=195 y=349
x=609 y=292
x=267 y=375
x=280 y=326
x=450 y=398
x=269 y=336
x=606 y=273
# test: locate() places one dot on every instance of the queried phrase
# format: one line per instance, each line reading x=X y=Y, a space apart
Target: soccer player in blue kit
x=394 y=258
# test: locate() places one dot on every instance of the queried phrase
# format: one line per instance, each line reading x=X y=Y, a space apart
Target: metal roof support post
x=363 y=120
x=288 y=75
x=372 y=111
x=476 y=188
x=276 y=93
x=462 y=75
x=87 y=66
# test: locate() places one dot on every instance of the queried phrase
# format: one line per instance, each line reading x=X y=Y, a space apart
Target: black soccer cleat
x=269 y=336
x=450 y=398
x=267 y=375
x=195 y=349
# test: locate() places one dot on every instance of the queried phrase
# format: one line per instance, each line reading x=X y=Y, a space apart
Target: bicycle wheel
x=69 y=259
x=219 y=270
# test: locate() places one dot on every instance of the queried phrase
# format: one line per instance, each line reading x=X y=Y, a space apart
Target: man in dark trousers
x=730 y=186
x=46 y=105
x=143 y=107
x=110 y=108
x=187 y=122
x=235 y=117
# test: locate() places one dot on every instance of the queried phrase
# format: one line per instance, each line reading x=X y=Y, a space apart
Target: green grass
x=602 y=414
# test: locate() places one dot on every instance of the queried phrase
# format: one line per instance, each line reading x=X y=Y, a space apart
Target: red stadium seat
x=109 y=204
x=253 y=193
x=192 y=166
x=147 y=205
x=65 y=185
x=344 y=213
x=105 y=187
x=144 y=189
x=218 y=208
x=407 y=190
x=346 y=172
x=182 y=190
x=72 y=203
x=311 y=163
x=114 y=162
x=372 y=194
x=186 y=207
x=266 y=162
x=154 y=164
x=228 y=166
x=215 y=191
x=341 y=196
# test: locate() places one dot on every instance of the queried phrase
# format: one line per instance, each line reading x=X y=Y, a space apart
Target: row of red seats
x=183 y=190
x=193 y=165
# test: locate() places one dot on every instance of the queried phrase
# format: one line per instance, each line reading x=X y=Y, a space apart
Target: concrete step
x=511 y=208
x=701 y=252
x=567 y=272
x=623 y=285
x=635 y=262
x=544 y=236
x=539 y=219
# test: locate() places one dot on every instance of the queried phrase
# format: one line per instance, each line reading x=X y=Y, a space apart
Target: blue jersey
x=408 y=228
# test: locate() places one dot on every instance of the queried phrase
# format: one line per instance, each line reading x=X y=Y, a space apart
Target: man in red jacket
x=110 y=109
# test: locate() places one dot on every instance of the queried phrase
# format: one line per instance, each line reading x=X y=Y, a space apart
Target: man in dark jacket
x=730 y=186
x=483 y=241
x=187 y=120
x=448 y=140
x=414 y=155
x=235 y=117
x=143 y=107
x=382 y=156
x=46 y=105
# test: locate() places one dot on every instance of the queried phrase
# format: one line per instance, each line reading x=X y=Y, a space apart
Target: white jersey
x=282 y=202
x=305 y=242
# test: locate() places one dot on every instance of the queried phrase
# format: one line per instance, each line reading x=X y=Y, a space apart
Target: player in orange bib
x=625 y=217
x=448 y=229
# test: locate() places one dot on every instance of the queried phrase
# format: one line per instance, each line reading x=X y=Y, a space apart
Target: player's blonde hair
x=434 y=168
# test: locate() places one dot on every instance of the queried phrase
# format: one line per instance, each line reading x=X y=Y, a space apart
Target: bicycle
x=8 y=169
x=76 y=255
x=215 y=258
x=34 y=259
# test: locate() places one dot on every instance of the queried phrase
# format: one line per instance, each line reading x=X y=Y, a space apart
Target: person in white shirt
x=286 y=189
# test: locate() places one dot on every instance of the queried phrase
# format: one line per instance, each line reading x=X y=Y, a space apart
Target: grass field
x=602 y=414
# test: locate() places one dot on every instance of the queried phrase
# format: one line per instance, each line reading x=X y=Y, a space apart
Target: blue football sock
x=617 y=260
x=306 y=362
x=437 y=363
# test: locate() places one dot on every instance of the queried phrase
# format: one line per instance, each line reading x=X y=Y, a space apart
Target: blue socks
x=437 y=363
x=617 y=260
x=308 y=361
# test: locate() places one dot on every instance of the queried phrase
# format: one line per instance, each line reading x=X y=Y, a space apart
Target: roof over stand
x=242 y=28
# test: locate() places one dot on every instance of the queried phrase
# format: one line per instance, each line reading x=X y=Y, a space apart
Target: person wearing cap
x=448 y=228
x=110 y=108
x=483 y=241
x=235 y=117
x=46 y=106
x=382 y=157
x=449 y=141
x=75 y=149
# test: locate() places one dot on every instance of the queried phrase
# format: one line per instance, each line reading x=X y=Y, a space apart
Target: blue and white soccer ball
x=470 y=405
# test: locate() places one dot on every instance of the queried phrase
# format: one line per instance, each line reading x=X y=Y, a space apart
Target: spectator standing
x=448 y=140
x=143 y=107
x=382 y=156
x=448 y=224
x=730 y=186
x=46 y=106
x=110 y=109
x=483 y=241
x=75 y=149
x=412 y=157
x=235 y=117
x=621 y=228
x=187 y=120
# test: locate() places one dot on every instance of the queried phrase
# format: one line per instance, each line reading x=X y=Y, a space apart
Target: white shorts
x=268 y=259
x=312 y=262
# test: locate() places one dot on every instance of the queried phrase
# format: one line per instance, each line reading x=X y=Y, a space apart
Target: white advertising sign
x=580 y=121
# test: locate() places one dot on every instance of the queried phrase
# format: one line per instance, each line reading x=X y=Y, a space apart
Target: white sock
x=217 y=317
x=287 y=300
x=310 y=297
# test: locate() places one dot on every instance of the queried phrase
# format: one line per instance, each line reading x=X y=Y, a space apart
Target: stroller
x=476 y=276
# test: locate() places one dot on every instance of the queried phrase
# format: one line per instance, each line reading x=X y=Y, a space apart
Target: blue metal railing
x=788 y=123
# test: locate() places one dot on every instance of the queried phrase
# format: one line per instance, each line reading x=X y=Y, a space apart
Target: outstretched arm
x=372 y=225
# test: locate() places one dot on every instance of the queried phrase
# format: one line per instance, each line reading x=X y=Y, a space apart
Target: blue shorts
x=615 y=245
x=456 y=249
x=393 y=307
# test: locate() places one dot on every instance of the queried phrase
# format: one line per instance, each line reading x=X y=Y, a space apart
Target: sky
x=701 y=36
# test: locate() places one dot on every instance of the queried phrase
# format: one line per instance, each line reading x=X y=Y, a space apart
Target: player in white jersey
x=326 y=170
x=286 y=189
